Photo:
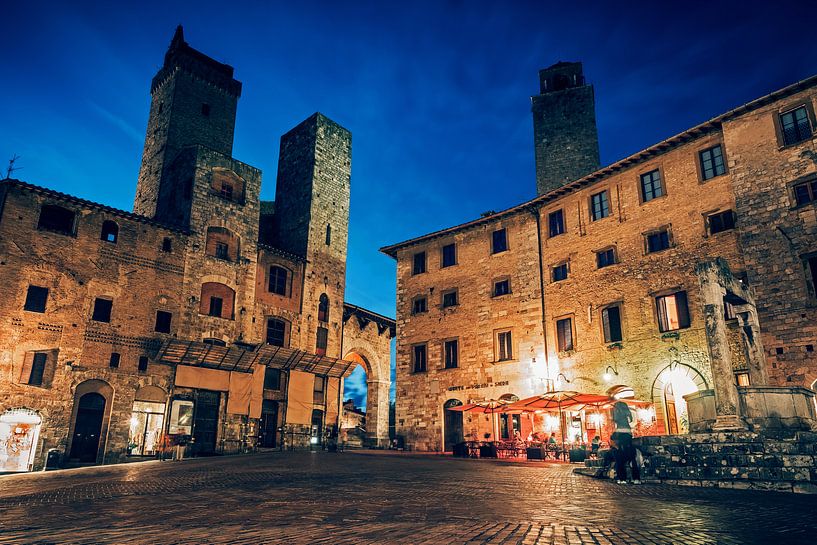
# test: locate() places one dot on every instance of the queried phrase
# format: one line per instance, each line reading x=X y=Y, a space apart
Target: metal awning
x=200 y=354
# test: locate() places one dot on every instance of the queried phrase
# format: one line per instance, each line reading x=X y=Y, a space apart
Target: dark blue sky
x=436 y=94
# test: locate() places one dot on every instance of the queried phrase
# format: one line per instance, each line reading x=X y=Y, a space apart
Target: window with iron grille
x=651 y=187
x=673 y=311
x=419 y=264
x=599 y=205
x=805 y=192
x=499 y=241
x=276 y=332
x=564 y=334
x=418 y=353
x=721 y=221
x=502 y=287
x=712 y=162
x=420 y=305
x=102 y=310
x=605 y=258
x=795 y=126
x=611 y=324
x=556 y=223
x=559 y=272
x=451 y=349
x=504 y=346
x=657 y=241
x=36 y=298
x=449 y=256
x=278 y=280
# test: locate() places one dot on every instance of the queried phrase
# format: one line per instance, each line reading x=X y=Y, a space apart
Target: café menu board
x=181 y=417
x=478 y=386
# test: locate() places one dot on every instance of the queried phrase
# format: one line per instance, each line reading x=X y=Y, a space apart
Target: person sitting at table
x=552 y=439
x=595 y=445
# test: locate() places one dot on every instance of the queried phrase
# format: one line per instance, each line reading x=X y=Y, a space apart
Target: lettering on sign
x=478 y=386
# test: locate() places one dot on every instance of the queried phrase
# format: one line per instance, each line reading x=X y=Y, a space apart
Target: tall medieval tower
x=312 y=220
x=193 y=102
x=566 y=142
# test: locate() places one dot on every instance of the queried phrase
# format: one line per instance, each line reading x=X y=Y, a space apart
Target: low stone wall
x=781 y=460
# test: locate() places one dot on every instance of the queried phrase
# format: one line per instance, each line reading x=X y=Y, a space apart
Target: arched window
x=56 y=218
x=323 y=308
x=110 y=231
x=278 y=280
x=217 y=300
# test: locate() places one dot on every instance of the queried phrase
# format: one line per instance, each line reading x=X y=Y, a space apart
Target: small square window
x=673 y=311
x=504 y=346
x=36 y=298
x=657 y=241
x=143 y=364
x=605 y=258
x=419 y=305
x=795 y=126
x=611 y=324
x=559 y=272
x=418 y=358
x=599 y=206
x=712 y=163
x=502 y=287
x=167 y=245
x=499 y=241
x=556 y=223
x=113 y=363
x=450 y=299
x=722 y=221
x=651 y=187
x=102 y=310
x=222 y=251
x=564 y=334
x=451 y=350
x=163 y=320
x=226 y=191
x=216 y=304
x=419 y=263
x=449 y=256
x=805 y=192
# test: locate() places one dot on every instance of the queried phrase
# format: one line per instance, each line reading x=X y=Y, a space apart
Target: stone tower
x=565 y=139
x=193 y=102
x=312 y=220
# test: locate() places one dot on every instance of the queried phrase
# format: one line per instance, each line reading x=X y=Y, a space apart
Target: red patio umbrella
x=491 y=406
x=557 y=400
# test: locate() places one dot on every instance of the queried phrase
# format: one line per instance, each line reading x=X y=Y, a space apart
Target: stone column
x=726 y=392
x=377 y=413
x=750 y=332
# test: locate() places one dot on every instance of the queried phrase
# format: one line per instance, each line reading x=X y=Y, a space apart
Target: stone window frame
x=414 y=300
x=564 y=221
x=491 y=246
x=96 y=317
x=414 y=366
x=620 y=305
x=287 y=329
x=497 y=350
x=657 y=230
x=648 y=169
x=444 y=353
x=656 y=310
x=442 y=255
x=707 y=145
x=449 y=291
x=810 y=179
x=718 y=212
x=556 y=320
x=552 y=268
x=28 y=306
x=496 y=281
x=169 y=321
x=414 y=261
x=616 y=258
x=598 y=191
x=791 y=106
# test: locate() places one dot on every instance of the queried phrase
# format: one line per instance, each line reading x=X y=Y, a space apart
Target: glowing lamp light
x=134 y=421
x=608 y=376
x=314 y=441
x=597 y=419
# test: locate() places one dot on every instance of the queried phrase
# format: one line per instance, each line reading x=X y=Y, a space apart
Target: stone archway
x=90 y=419
x=377 y=398
x=670 y=385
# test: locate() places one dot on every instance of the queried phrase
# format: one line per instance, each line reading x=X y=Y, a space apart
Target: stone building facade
x=205 y=316
x=600 y=284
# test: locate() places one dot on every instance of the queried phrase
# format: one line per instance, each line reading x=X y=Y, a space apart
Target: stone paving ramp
x=357 y=498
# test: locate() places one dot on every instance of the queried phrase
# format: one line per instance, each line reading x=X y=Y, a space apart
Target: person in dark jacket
x=623 y=436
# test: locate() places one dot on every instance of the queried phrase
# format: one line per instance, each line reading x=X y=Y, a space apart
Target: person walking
x=623 y=436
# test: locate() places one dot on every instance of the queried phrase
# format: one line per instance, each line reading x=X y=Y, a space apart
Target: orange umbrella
x=492 y=406
x=557 y=400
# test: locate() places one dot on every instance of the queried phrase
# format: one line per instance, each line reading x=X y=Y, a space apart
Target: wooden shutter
x=683 y=309
x=661 y=303
x=25 y=372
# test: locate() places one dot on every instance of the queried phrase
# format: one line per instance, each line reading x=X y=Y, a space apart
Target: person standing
x=623 y=436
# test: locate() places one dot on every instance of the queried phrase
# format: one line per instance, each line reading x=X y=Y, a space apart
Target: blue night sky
x=436 y=94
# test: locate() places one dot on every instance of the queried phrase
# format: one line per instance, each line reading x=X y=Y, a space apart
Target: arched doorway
x=147 y=421
x=356 y=408
x=452 y=431
x=269 y=424
x=88 y=428
x=509 y=424
x=19 y=434
x=669 y=388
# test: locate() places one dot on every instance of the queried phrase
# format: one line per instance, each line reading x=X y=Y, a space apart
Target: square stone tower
x=312 y=220
x=565 y=139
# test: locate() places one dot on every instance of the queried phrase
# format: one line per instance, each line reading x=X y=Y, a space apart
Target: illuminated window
x=504 y=346
x=673 y=311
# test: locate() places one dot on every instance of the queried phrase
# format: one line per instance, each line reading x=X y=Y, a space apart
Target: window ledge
x=511 y=360
x=618 y=345
x=659 y=198
x=798 y=143
x=702 y=181
x=57 y=232
x=676 y=334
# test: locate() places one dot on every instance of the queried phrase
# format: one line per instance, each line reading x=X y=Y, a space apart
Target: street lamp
x=608 y=377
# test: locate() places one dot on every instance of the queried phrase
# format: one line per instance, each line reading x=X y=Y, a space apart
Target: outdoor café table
x=472 y=448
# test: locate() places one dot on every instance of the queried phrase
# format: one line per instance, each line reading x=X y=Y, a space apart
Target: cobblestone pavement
x=380 y=498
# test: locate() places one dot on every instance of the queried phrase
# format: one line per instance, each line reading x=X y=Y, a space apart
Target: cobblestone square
x=358 y=497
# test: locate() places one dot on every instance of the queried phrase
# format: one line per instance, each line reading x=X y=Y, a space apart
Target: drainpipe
x=536 y=215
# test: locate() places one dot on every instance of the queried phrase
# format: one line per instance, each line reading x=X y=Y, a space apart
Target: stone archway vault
x=377 y=399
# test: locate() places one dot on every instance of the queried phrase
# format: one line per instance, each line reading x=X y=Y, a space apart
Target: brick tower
x=312 y=220
x=564 y=127
x=193 y=102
